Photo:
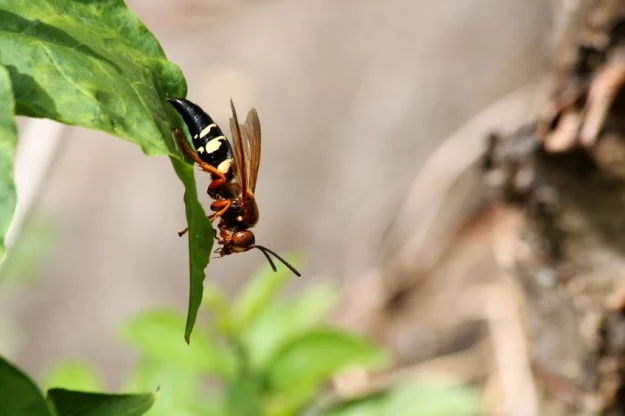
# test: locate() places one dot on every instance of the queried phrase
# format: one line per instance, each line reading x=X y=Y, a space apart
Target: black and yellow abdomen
x=209 y=141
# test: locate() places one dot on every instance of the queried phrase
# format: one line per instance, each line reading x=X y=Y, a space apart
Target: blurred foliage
x=31 y=252
x=75 y=375
x=19 y=396
x=8 y=141
x=20 y=266
x=415 y=398
x=263 y=354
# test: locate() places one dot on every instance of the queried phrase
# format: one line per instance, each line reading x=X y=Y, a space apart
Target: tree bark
x=566 y=172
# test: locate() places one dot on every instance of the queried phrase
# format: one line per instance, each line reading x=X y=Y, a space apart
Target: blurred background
x=373 y=114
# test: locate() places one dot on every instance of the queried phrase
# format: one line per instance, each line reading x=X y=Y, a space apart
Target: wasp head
x=244 y=240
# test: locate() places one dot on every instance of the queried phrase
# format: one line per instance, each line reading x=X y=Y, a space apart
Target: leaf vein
x=67 y=78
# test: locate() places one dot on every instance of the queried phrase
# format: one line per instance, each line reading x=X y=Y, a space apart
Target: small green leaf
x=259 y=292
x=242 y=399
x=8 y=138
x=433 y=399
x=74 y=375
x=155 y=334
x=414 y=398
x=215 y=301
x=374 y=405
x=72 y=403
x=200 y=237
x=285 y=319
x=180 y=390
x=313 y=357
x=18 y=394
x=291 y=401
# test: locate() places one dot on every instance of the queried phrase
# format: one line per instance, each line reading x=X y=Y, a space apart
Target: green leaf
x=200 y=237
x=215 y=301
x=74 y=375
x=10 y=337
x=374 y=405
x=72 y=403
x=8 y=138
x=433 y=399
x=18 y=394
x=258 y=293
x=180 y=390
x=285 y=319
x=155 y=334
x=94 y=64
x=31 y=252
x=313 y=357
x=414 y=398
x=242 y=399
x=290 y=402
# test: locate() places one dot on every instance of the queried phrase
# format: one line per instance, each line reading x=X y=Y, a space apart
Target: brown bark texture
x=566 y=173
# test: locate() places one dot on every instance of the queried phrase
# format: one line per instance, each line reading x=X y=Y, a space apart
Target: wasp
x=233 y=171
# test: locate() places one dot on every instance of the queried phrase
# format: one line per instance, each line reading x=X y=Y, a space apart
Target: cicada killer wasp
x=233 y=174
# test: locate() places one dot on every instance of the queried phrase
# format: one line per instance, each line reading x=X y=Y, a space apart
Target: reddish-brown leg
x=216 y=184
x=221 y=206
x=223 y=234
x=193 y=155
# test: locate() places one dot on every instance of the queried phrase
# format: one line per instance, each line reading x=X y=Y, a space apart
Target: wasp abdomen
x=209 y=141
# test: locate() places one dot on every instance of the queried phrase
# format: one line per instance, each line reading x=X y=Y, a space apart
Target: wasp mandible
x=233 y=174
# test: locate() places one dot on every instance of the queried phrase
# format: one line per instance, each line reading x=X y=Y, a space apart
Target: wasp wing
x=239 y=152
x=252 y=136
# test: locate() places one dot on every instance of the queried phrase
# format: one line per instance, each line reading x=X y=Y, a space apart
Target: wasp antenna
x=263 y=249
x=271 y=263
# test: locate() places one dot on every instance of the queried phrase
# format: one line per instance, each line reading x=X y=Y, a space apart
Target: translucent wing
x=252 y=139
x=239 y=152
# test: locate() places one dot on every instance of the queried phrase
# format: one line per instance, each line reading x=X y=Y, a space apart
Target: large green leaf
x=7 y=153
x=313 y=357
x=94 y=64
x=18 y=394
x=72 y=403
x=154 y=333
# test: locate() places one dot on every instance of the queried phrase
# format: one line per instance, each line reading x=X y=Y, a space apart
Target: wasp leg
x=193 y=155
x=186 y=230
x=216 y=184
x=223 y=234
x=226 y=204
x=221 y=206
